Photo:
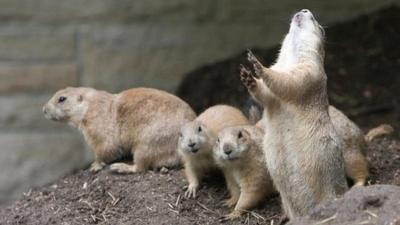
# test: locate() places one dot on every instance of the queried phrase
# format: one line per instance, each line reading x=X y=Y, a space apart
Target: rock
x=25 y=112
x=34 y=159
x=376 y=204
x=157 y=55
x=164 y=170
x=177 y=11
x=38 y=43
x=38 y=77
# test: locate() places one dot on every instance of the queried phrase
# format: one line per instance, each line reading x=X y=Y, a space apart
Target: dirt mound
x=106 y=198
x=384 y=161
x=156 y=198
x=376 y=204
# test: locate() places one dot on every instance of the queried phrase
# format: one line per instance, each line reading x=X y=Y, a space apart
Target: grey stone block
x=33 y=159
x=172 y=11
x=20 y=112
x=36 y=43
x=23 y=77
x=78 y=11
x=120 y=57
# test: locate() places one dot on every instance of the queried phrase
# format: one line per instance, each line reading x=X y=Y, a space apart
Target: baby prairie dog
x=239 y=154
x=197 y=139
x=302 y=148
x=142 y=122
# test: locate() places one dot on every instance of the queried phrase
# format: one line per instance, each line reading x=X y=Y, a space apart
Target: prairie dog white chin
x=195 y=138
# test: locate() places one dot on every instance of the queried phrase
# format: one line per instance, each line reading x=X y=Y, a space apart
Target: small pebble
x=164 y=170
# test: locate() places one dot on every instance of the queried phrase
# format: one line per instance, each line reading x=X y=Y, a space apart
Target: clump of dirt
x=384 y=161
x=362 y=64
x=377 y=204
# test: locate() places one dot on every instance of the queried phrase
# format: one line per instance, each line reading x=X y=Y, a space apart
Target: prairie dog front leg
x=193 y=176
x=234 y=190
x=285 y=85
x=247 y=200
x=255 y=85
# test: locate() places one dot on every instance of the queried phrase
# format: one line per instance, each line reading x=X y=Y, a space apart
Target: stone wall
x=46 y=45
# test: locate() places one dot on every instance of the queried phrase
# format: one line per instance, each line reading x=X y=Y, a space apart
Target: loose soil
x=362 y=63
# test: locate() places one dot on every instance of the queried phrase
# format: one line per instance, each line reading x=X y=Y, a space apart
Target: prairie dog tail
x=355 y=161
x=379 y=131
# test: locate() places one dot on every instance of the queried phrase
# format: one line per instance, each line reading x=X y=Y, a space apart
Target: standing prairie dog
x=143 y=122
x=239 y=154
x=302 y=148
x=197 y=139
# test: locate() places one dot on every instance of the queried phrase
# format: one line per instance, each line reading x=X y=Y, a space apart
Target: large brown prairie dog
x=356 y=164
x=239 y=154
x=143 y=122
x=197 y=139
x=302 y=148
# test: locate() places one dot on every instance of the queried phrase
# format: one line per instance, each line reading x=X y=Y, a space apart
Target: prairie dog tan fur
x=197 y=139
x=301 y=146
x=356 y=164
x=143 y=122
x=239 y=154
x=381 y=130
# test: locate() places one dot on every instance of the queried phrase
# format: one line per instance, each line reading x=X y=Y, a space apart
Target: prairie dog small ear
x=243 y=134
x=240 y=134
x=80 y=98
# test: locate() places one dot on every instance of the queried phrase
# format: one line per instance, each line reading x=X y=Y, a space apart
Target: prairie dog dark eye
x=180 y=134
x=199 y=129
x=62 y=99
x=217 y=140
x=240 y=134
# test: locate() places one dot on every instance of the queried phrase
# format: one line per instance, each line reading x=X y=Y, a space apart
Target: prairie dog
x=239 y=154
x=302 y=148
x=379 y=131
x=143 y=122
x=197 y=139
x=356 y=164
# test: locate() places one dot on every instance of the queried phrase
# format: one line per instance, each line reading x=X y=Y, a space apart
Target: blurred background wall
x=46 y=45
